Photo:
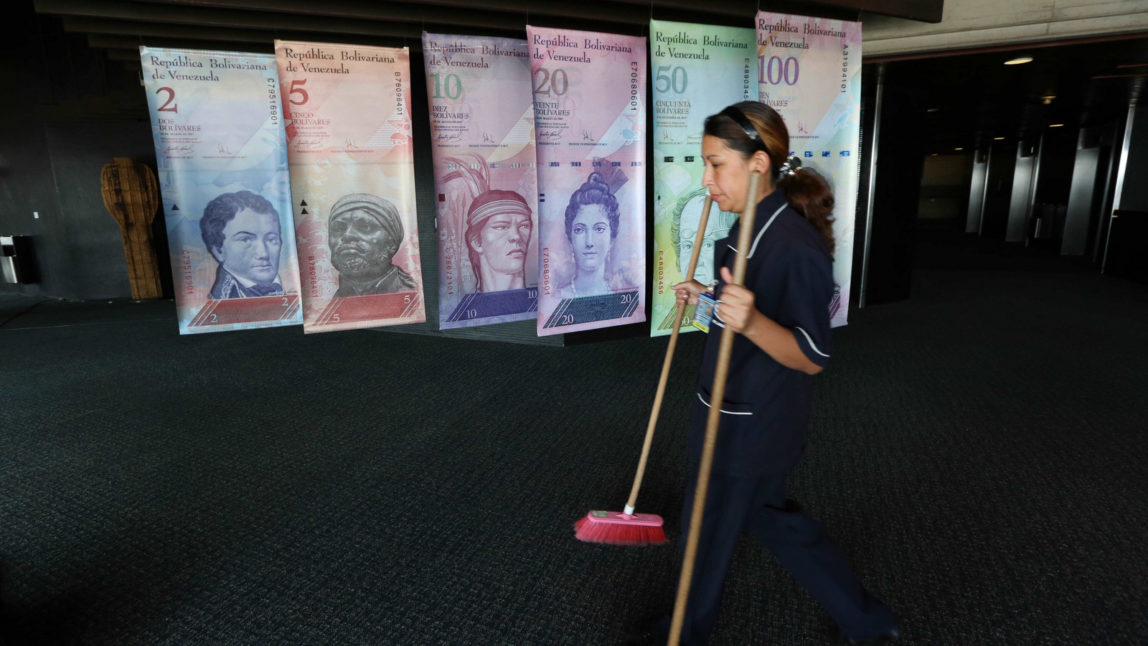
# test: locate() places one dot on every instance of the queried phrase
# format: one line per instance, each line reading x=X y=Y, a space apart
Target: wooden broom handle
x=679 y=310
x=712 y=421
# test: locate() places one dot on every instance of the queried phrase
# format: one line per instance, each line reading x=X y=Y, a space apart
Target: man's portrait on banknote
x=684 y=220
x=364 y=233
x=242 y=232
x=498 y=232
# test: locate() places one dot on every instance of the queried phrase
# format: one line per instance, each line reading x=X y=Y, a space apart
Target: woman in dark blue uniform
x=781 y=317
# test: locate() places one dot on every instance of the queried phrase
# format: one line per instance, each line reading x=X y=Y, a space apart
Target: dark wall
x=1056 y=162
x=1135 y=195
x=998 y=194
x=73 y=112
x=900 y=164
x=944 y=200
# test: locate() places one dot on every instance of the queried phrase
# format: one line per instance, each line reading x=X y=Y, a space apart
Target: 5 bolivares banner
x=352 y=180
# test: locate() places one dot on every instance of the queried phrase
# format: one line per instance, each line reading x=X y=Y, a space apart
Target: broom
x=626 y=527
x=720 y=373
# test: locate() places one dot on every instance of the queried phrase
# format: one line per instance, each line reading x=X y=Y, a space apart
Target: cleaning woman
x=781 y=318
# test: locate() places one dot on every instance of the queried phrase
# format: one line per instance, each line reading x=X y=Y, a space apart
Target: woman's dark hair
x=806 y=190
x=594 y=191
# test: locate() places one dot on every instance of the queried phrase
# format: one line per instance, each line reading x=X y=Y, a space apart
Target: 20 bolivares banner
x=590 y=120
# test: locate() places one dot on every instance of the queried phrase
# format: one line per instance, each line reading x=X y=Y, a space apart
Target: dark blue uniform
x=764 y=422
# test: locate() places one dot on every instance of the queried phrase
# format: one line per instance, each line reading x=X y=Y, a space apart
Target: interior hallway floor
x=979 y=451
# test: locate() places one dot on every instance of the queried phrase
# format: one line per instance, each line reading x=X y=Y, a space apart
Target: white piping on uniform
x=759 y=233
x=811 y=343
x=727 y=412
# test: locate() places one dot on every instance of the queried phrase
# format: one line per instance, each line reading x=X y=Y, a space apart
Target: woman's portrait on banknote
x=592 y=221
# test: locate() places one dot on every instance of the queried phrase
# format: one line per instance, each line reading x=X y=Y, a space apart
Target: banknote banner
x=221 y=154
x=347 y=113
x=486 y=181
x=590 y=124
x=809 y=70
x=697 y=70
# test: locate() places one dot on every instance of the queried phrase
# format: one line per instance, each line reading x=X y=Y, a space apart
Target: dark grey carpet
x=979 y=451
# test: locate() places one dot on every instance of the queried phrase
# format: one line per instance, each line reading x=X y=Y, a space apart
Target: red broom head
x=616 y=528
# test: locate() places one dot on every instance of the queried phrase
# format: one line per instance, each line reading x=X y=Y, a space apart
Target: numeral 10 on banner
x=776 y=70
x=452 y=86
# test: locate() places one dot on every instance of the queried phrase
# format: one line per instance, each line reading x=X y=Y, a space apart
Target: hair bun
x=791 y=166
x=595 y=178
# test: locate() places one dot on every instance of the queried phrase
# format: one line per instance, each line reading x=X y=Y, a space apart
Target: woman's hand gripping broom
x=721 y=372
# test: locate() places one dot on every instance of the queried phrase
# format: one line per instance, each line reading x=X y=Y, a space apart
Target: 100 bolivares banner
x=809 y=70
x=698 y=70
x=590 y=120
x=221 y=156
x=482 y=139
x=348 y=126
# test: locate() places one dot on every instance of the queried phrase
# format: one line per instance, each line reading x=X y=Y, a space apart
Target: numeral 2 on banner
x=167 y=105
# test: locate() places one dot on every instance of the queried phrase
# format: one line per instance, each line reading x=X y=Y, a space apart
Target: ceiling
x=974 y=98
x=120 y=26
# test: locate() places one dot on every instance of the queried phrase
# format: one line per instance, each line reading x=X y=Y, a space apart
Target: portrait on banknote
x=365 y=233
x=685 y=216
x=592 y=220
x=499 y=228
x=242 y=232
x=492 y=222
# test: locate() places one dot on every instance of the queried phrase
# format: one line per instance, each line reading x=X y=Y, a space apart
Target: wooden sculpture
x=131 y=195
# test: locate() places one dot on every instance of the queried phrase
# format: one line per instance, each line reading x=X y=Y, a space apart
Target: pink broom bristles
x=617 y=528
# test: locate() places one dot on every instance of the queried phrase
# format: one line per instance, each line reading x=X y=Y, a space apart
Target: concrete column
x=977 y=191
x=1074 y=239
x=1131 y=194
x=1020 y=203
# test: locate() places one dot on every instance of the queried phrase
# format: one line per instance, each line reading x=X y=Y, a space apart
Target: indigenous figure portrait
x=592 y=221
x=498 y=232
x=684 y=220
x=364 y=233
x=242 y=232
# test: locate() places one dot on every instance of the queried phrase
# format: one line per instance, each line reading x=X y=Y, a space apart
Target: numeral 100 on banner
x=776 y=70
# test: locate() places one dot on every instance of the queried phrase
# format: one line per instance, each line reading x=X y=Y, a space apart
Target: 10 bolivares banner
x=809 y=70
x=697 y=71
x=221 y=156
x=486 y=188
x=590 y=120
x=348 y=125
